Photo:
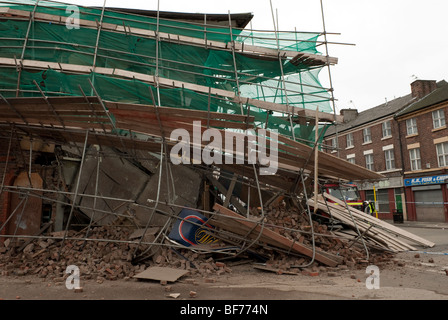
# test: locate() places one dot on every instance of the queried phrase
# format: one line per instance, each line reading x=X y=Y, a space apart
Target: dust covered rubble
x=101 y=260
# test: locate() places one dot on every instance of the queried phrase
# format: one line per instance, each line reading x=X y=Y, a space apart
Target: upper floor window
x=442 y=154
x=369 y=161
x=334 y=144
x=367 y=136
x=414 y=157
x=438 y=118
x=390 y=159
x=411 y=126
x=387 y=129
x=350 y=140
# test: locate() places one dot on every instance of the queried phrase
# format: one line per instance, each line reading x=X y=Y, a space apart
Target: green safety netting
x=254 y=77
x=55 y=83
x=295 y=41
x=208 y=67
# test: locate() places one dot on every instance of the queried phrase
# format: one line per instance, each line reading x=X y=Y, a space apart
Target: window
x=382 y=199
x=414 y=156
x=387 y=129
x=438 y=118
x=350 y=140
x=411 y=126
x=369 y=161
x=351 y=158
x=367 y=136
x=344 y=192
x=390 y=160
x=334 y=144
x=442 y=154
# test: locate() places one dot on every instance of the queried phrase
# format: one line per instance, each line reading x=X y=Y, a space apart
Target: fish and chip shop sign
x=426 y=180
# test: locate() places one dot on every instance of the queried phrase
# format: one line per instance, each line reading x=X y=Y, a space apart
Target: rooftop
x=384 y=110
x=437 y=96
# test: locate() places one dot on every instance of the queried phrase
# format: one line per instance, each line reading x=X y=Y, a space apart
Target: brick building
x=424 y=140
x=15 y=170
x=377 y=139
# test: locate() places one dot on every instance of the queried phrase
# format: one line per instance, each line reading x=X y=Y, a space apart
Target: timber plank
x=385 y=225
x=274 y=238
x=369 y=231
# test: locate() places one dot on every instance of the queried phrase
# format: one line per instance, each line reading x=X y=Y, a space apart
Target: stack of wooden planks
x=251 y=229
x=376 y=232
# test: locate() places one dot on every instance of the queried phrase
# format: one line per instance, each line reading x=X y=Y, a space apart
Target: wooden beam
x=252 y=229
x=168 y=83
x=369 y=231
x=382 y=224
x=323 y=116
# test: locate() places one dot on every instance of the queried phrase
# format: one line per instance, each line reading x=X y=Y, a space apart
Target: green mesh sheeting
x=294 y=41
x=54 y=83
x=207 y=67
x=251 y=76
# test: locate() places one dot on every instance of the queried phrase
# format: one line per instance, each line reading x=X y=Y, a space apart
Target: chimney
x=349 y=114
x=421 y=88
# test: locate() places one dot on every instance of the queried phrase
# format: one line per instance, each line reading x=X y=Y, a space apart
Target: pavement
x=420 y=224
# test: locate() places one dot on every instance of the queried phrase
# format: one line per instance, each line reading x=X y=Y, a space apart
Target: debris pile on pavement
x=49 y=258
x=97 y=258
x=281 y=240
x=102 y=260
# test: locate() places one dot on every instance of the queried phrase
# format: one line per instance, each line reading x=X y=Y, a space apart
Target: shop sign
x=425 y=180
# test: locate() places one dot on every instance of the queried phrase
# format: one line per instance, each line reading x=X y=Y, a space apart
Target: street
x=410 y=275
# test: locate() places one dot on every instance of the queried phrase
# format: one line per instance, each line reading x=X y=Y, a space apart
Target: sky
x=387 y=43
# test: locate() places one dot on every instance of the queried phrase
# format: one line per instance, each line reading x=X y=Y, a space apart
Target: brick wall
x=421 y=88
x=18 y=161
x=376 y=146
x=425 y=137
x=9 y=176
x=5 y=199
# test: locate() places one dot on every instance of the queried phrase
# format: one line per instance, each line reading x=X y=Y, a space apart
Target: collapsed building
x=143 y=135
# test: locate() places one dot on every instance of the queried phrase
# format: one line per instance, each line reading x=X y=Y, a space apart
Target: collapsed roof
x=126 y=81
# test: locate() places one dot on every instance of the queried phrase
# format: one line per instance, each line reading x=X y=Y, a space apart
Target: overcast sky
x=395 y=41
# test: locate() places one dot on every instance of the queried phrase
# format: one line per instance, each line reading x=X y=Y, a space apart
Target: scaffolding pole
x=291 y=114
x=75 y=196
x=31 y=21
x=329 y=74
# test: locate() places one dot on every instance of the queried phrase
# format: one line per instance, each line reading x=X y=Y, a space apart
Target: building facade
x=424 y=138
x=386 y=139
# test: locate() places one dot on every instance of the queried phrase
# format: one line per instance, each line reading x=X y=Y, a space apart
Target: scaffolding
x=114 y=85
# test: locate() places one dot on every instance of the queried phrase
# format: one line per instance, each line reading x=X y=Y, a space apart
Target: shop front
x=387 y=195
x=426 y=198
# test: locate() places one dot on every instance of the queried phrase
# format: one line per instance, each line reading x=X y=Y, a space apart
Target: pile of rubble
x=48 y=258
x=99 y=260
x=295 y=226
x=108 y=252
